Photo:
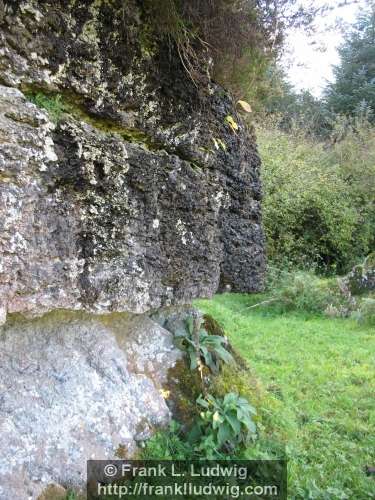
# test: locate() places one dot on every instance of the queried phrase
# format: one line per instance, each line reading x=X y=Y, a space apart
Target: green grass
x=53 y=104
x=318 y=374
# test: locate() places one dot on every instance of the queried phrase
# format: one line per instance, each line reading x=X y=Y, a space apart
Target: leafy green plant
x=223 y=425
x=51 y=103
x=203 y=347
x=71 y=496
x=168 y=444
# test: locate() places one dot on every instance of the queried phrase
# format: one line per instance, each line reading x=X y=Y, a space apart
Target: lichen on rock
x=108 y=189
x=120 y=205
x=75 y=387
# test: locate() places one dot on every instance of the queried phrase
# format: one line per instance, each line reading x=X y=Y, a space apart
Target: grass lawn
x=319 y=380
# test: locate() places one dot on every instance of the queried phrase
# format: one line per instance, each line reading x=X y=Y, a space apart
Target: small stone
x=53 y=492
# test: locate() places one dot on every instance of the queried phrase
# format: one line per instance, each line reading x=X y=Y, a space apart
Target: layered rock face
x=139 y=196
x=126 y=204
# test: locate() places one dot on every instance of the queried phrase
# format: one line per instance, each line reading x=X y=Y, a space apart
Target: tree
x=294 y=108
x=353 y=91
x=241 y=38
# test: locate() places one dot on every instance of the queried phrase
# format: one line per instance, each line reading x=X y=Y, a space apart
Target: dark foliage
x=353 y=91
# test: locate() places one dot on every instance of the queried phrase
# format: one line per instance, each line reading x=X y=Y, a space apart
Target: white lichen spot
x=80 y=150
x=181 y=230
x=17 y=243
x=3 y=315
x=152 y=106
x=49 y=149
x=218 y=197
x=29 y=8
x=155 y=223
x=124 y=151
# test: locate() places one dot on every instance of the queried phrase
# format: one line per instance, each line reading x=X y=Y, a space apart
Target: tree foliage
x=240 y=38
x=353 y=91
x=318 y=204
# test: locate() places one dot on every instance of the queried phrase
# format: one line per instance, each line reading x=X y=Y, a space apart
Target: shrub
x=352 y=153
x=305 y=291
x=366 y=311
x=206 y=348
x=361 y=279
x=313 y=213
x=224 y=424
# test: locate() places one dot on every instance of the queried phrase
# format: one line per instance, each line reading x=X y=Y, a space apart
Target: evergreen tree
x=353 y=91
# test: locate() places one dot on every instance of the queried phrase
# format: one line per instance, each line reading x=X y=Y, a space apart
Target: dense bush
x=304 y=291
x=352 y=153
x=318 y=204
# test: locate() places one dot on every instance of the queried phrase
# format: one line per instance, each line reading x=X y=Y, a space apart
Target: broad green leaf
x=224 y=355
x=224 y=433
x=202 y=402
x=190 y=325
x=193 y=360
x=230 y=398
x=234 y=423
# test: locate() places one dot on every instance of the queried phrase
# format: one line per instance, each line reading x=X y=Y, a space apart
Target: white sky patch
x=309 y=60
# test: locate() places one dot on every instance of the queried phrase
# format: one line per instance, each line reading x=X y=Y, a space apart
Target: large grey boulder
x=75 y=387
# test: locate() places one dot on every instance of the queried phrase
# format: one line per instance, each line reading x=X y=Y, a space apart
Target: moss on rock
x=186 y=385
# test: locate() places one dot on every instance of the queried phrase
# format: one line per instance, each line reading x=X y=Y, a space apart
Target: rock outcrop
x=73 y=387
x=126 y=204
x=129 y=192
x=361 y=278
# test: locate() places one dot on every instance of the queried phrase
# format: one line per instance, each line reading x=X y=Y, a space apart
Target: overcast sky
x=309 y=65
